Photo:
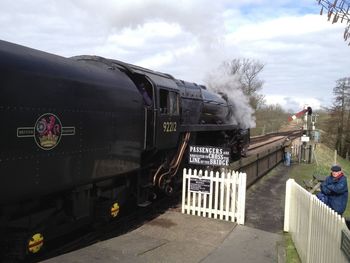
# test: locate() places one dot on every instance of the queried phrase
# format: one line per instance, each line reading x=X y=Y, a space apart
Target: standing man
x=334 y=190
x=287 y=151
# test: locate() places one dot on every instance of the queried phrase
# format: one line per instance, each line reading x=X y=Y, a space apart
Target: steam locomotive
x=81 y=136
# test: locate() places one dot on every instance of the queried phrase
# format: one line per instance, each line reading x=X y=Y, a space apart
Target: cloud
x=303 y=53
x=293 y=104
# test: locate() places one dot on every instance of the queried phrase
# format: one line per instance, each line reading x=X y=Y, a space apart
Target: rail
x=258 y=164
x=291 y=134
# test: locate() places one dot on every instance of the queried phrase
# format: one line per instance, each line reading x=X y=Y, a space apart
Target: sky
x=303 y=53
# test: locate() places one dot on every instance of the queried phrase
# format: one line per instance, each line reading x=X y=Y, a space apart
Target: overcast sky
x=303 y=53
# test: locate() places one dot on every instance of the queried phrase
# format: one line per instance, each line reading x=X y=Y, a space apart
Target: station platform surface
x=177 y=237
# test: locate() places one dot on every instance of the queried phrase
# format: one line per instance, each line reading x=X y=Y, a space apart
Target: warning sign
x=209 y=156
x=200 y=185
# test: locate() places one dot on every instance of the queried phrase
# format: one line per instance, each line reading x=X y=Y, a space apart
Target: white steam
x=243 y=114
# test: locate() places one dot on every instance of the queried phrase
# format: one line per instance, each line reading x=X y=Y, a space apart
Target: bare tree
x=270 y=118
x=247 y=72
x=337 y=11
x=339 y=122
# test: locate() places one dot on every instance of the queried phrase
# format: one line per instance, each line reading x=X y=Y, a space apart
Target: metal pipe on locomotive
x=80 y=136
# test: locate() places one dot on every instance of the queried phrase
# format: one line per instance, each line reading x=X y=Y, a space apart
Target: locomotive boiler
x=81 y=136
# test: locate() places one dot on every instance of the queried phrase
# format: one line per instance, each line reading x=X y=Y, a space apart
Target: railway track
x=257 y=142
x=264 y=153
x=292 y=134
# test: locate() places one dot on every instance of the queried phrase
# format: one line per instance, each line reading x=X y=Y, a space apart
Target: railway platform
x=176 y=237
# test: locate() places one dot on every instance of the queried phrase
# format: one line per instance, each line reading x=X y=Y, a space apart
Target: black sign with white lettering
x=200 y=185
x=209 y=156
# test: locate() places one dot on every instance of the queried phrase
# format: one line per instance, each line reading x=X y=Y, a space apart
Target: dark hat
x=336 y=168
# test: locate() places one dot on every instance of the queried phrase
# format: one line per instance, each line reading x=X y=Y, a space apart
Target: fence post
x=188 y=202
x=222 y=190
x=211 y=194
x=227 y=193
x=216 y=196
x=184 y=179
x=193 y=195
x=309 y=228
x=244 y=190
x=205 y=205
x=287 y=204
x=233 y=195
x=241 y=198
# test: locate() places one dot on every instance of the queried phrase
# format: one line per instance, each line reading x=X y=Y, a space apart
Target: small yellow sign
x=114 y=209
x=35 y=243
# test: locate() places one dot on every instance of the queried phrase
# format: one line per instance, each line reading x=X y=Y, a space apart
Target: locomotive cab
x=162 y=106
x=162 y=112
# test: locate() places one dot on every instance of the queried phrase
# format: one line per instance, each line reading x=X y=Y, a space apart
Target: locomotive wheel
x=169 y=191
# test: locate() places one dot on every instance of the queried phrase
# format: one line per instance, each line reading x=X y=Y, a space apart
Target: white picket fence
x=222 y=195
x=315 y=228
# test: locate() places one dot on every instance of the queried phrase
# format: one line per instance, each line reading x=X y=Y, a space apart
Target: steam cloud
x=243 y=114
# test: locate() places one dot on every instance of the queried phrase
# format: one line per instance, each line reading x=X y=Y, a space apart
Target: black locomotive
x=80 y=136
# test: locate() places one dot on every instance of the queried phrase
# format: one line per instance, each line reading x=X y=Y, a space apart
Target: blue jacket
x=336 y=189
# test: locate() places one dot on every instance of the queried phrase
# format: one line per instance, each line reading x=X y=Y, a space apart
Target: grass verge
x=291 y=253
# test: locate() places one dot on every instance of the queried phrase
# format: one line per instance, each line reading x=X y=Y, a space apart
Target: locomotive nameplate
x=209 y=156
x=200 y=185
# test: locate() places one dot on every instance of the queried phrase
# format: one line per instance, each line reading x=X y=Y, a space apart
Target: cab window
x=168 y=102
